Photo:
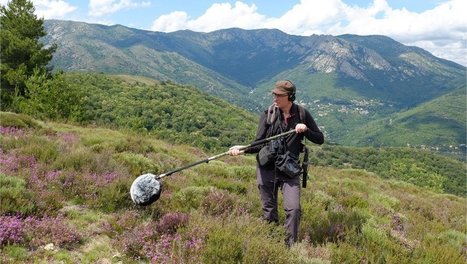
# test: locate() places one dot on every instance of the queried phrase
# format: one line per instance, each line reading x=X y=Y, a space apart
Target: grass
x=78 y=178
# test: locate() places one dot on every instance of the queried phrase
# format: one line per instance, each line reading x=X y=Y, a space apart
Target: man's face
x=280 y=100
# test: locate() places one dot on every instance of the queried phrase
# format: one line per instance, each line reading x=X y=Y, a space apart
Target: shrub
x=140 y=241
x=224 y=246
x=169 y=223
x=14 y=196
x=45 y=230
x=79 y=159
x=11 y=230
x=113 y=197
x=190 y=198
x=35 y=232
x=18 y=121
x=218 y=202
x=137 y=164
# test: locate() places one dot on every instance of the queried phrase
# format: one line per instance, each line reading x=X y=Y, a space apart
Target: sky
x=438 y=26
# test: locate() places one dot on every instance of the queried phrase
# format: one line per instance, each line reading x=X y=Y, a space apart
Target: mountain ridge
x=240 y=66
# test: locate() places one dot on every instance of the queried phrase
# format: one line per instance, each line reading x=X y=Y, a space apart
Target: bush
x=137 y=164
x=169 y=223
x=14 y=196
x=218 y=202
x=190 y=198
x=19 y=121
x=36 y=232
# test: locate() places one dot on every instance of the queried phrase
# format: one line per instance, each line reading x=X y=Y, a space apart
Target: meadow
x=64 y=198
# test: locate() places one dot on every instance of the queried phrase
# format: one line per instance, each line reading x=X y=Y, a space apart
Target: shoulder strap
x=301 y=112
x=271 y=115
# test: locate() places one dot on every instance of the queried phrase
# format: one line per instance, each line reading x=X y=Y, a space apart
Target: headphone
x=292 y=95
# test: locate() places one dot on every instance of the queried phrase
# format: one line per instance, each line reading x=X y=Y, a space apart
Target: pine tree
x=21 y=52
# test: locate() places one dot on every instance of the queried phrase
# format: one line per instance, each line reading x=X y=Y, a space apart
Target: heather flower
x=11 y=230
x=11 y=131
x=101 y=180
x=42 y=231
x=8 y=162
x=69 y=138
x=218 y=202
x=170 y=222
x=139 y=240
x=163 y=252
x=52 y=175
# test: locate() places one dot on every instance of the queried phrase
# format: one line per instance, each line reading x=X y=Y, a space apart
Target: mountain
x=346 y=81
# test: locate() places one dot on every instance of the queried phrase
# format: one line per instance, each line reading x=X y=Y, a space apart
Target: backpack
x=271 y=118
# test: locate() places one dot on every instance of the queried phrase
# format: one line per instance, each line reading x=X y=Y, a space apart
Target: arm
x=313 y=133
x=261 y=133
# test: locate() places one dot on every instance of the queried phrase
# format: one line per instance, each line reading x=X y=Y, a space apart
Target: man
x=269 y=178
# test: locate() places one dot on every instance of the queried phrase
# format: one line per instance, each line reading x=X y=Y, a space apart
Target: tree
x=21 y=52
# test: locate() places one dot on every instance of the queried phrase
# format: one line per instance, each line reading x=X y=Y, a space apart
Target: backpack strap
x=301 y=112
x=305 y=167
x=272 y=114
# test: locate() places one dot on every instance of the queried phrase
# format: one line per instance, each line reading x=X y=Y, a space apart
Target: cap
x=284 y=87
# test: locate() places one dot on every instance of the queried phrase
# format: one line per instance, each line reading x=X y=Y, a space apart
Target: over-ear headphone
x=292 y=95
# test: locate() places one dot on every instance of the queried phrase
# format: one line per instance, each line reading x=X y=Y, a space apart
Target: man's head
x=285 y=87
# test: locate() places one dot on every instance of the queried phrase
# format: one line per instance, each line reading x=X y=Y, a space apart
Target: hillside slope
x=439 y=124
x=64 y=198
x=177 y=113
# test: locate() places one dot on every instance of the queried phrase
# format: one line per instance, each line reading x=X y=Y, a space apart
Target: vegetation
x=439 y=124
x=23 y=55
x=419 y=167
x=172 y=112
x=64 y=198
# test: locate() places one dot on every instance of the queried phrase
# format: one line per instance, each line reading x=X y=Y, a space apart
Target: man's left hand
x=300 y=128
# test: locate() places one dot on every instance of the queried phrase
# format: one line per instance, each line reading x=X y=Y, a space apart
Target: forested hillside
x=439 y=124
x=64 y=196
x=180 y=114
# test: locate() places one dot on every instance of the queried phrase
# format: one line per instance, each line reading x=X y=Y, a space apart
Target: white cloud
x=219 y=15
x=99 y=8
x=53 y=8
x=441 y=30
x=171 y=22
x=49 y=8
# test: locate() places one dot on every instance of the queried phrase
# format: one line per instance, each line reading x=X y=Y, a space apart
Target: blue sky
x=439 y=26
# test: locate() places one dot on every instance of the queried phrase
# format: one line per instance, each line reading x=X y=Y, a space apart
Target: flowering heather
x=11 y=230
x=163 y=251
x=218 y=202
x=42 y=231
x=52 y=175
x=140 y=240
x=69 y=138
x=101 y=180
x=11 y=131
x=10 y=162
x=170 y=222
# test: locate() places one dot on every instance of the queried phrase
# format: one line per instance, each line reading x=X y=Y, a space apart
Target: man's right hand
x=236 y=150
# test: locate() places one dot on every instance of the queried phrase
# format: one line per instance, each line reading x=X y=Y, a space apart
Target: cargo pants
x=269 y=182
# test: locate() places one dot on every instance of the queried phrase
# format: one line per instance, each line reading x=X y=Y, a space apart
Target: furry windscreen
x=145 y=189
